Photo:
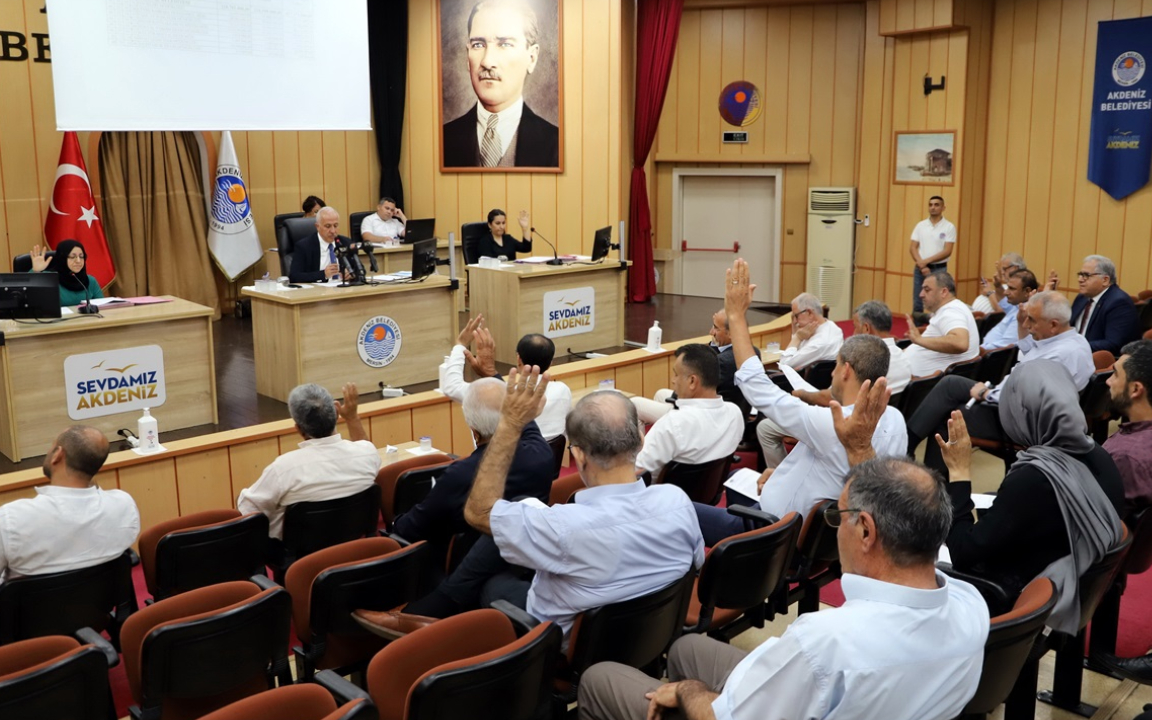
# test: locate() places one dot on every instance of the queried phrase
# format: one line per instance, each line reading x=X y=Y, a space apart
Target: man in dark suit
x=722 y=341
x=1103 y=313
x=441 y=514
x=306 y=258
x=501 y=130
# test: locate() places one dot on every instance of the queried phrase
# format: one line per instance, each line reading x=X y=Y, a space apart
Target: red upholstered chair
x=739 y=575
x=196 y=652
x=202 y=549
x=57 y=677
x=467 y=666
x=312 y=526
x=298 y=702
x=395 y=497
x=1008 y=647
x=565 y=488
x=326 y=586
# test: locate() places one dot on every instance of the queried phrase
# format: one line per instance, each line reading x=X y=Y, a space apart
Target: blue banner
x=1120 y=143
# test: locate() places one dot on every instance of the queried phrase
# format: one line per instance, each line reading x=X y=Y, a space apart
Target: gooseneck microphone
x=88 y=308
x=555 y=255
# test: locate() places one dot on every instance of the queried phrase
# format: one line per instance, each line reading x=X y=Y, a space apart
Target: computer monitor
x=601 y=243
x=417 y=230
x=29 y=295
x=423 y=259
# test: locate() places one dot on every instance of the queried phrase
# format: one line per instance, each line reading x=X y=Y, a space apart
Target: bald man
x=71 y=523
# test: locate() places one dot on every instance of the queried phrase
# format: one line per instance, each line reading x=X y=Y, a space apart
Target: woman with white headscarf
x=1057 y=510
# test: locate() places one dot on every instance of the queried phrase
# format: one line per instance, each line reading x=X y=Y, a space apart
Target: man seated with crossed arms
x=703 y=427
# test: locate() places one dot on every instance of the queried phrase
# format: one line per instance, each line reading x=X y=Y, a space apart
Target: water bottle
x=655 y=337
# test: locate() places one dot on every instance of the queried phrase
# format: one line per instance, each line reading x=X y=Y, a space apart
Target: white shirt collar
x=506 y=127
x=330 y=440
x=1098 y=295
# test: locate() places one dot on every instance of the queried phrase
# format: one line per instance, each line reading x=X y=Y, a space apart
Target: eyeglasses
x=832 y=515
x=77 y=257
x=1085 y=276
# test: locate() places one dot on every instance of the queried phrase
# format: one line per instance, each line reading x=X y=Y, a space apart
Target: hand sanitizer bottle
x=443 y=371
x=147 y=431
x=655 y=336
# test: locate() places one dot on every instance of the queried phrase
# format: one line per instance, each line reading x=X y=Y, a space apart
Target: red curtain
x=657 y=28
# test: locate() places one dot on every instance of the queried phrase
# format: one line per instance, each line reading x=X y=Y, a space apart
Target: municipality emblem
x=1128 y=69
x=378 y=341
x=231 y=212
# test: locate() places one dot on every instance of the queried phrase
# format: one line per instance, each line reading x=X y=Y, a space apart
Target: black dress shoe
x=1137 y=669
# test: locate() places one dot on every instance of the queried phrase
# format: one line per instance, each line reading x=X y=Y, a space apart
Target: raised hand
x=469 y=330
x=855 y=431
x=957 y=451
x=483 y=363
x=737 y=289
x=524 y=400
x=39 y=261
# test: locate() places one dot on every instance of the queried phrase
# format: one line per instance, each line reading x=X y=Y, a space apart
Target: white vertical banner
x=232 y=237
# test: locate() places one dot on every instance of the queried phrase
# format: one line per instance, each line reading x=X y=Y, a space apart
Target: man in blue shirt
x=1022 y=285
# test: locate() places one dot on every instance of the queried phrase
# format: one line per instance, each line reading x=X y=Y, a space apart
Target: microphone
x=555 y=255
x=346 y=255
x=371 y=256
x=88 y=308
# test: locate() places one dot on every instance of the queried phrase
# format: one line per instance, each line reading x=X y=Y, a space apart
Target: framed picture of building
x=924 y=157
x=501 y=90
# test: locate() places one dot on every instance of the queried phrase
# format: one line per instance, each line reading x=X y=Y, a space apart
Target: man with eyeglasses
x=1103 y=313
x=814 y=337
x=891 y=518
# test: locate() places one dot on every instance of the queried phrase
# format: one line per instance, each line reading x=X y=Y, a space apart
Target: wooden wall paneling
x=845 y=112
x=107 y=480
x=461 y=434
x=20 y=494
x=597 y=129
x=728 y=68
x=943 y=13
x=570 y=185
x=754 y=62
x=924 y=13
x=260 y=175
x=776 y=58
x=361 y=167
x=310 y=145
x=592 y=379
x=545 y=207
x=1041 y=131
x=870 y=132
x=286 y=148
x=1019 y=116
x=688 y=52
x=434 y=421
x=821 y=85
x=575 y=382
x=19 y=173
x=333 y=171
x=247 y=461
x=204 y=481
x=630 y=378
x=662 y=219
x=1067 y=140
x=153 y=486
x=494 y=194
x=1001 y=97
x=470 y=199
x=978 y=14
x=391 y=429
x=905 y=15
x=657 y=371
x=423 y=131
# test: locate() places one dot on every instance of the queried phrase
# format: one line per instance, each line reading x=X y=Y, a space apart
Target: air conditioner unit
x=831 y=248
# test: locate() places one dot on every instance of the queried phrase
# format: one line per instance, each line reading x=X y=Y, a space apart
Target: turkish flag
x=72 y=212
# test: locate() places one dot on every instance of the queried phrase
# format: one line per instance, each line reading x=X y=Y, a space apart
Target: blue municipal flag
x=1120 y=142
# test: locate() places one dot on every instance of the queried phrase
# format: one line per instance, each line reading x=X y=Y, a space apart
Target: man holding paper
x=816 y=468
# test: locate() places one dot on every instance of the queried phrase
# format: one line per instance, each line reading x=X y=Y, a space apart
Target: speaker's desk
x=101 y=371
x=579 y=306
x=398 y=258
x=396 y=333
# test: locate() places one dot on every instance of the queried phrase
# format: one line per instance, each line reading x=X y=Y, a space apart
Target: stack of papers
x=744 y=482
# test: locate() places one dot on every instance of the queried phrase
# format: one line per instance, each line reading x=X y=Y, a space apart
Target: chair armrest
x=758 y=518
x=402 y=542
x=88 y=636
x=133 y=557
x=264 y=582
x=996 y=597
x=521 y=619
x=342 y=690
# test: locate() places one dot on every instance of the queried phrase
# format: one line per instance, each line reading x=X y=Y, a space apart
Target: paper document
x=982 y=501
x=744 y=482
x=536 y=259
x=794 y=379
x=147 y=300
x=422 y=451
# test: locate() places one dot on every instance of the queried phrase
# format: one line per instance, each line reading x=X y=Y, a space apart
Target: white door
x=723 y=217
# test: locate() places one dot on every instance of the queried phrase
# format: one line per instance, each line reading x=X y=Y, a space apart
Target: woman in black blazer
x=497 y=243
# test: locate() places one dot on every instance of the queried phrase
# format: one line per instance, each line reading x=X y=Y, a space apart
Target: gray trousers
x=771 y=438
x=610 y=691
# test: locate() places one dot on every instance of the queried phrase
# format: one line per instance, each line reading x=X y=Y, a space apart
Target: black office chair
x=312 y=526
x=819 y=374
x=994 y=365
x=57 y=677
x=295 y=230
x=470 y=234
x=354 y=222
x=23 y=263
x=284 y=246
x=558 y=444
x=100 y=597
x=985 y=324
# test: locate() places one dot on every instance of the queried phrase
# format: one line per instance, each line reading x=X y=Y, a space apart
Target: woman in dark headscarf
x=1057 y=510
x=70 y=262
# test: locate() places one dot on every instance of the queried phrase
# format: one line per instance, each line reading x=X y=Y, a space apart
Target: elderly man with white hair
x=326 y=466
x=814 y=337
x=440 y=515
x=1045 y=335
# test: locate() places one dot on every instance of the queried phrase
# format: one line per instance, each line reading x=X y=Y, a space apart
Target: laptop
x=417 y=230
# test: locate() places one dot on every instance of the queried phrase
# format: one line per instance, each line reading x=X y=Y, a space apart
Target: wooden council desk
x=399 y=258
x=578 y=306
x=332 y=335
x=33 y=382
